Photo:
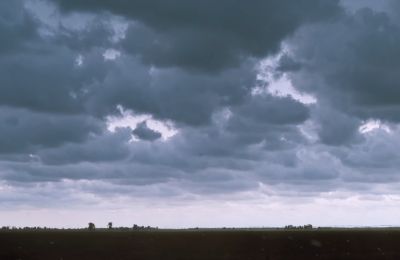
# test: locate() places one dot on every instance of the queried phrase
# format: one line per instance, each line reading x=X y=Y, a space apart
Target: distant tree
x=91 y=226
x=309 y=226
x=109 y=225
x=135 y=226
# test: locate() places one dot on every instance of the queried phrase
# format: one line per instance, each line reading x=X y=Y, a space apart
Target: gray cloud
x=25 y=131
x=352 y=64
x=51 y=77
x=103 y=147
x=336 y=127
x=190 y=34
x=17 y=27
x=185 y=97
x=355 y=5
x=142 y=131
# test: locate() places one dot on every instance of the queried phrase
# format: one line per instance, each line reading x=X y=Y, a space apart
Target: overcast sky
x=199 y=113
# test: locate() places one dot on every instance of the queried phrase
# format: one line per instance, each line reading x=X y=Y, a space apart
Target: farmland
x=257 y=244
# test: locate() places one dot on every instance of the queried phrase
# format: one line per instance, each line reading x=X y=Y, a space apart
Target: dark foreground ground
x=202 y=244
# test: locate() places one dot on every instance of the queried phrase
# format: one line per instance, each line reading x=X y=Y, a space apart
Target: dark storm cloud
x=376 y=154
x=207 y=35
x=142 y=131
x=17 y=27
x=96 y=33
x=336 y=127
x=353 y=64
x=233 y=139
x=26 y=131
x=102 y=147
x=354 y=5
x=268 y=120
x=179 y=95
x=48 y=79
x=287 y=63
x=50 y=66
x=194 y=63
x=265 y=108
x=97 y=87
x=39 y=71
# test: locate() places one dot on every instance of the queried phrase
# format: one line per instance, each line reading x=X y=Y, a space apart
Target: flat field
x=202 y=244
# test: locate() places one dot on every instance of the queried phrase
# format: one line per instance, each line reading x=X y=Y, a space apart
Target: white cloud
x=279 y=85
x=371 y=125
x=130 y=119
x=111 y=54
x=79 y=60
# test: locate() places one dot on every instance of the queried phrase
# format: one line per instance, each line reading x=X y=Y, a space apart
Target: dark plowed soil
x=200 y=244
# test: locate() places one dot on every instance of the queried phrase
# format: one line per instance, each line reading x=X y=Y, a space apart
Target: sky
x=199 y=113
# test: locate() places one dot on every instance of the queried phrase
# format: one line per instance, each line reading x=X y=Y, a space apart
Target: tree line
x=91 y=227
